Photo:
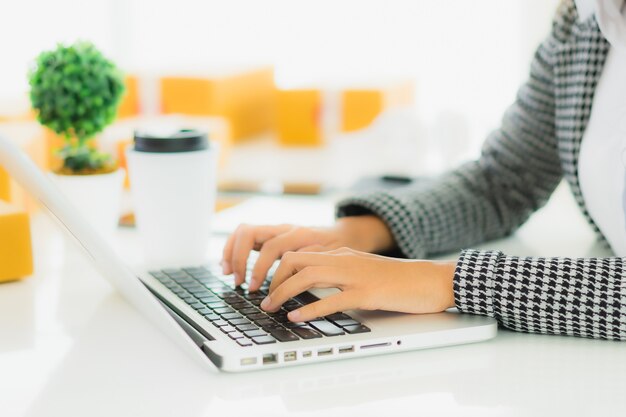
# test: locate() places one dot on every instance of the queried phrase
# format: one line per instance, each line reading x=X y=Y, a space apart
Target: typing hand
x=367 y=233
x=366 y=281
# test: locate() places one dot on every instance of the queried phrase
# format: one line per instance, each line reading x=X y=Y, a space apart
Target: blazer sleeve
x=577 y=297
x=489 y=198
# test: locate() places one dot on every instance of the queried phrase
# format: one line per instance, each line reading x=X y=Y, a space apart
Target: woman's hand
x=366 y=233
x=366 y=281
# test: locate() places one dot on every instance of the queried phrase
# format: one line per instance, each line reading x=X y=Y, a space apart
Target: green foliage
x=76 y=92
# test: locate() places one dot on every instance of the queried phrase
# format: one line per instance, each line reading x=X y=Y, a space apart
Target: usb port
x=307 y=354
x=269 y=358
x=289 y=356
x=325 y=352
x=248 y=361
x=346 y=349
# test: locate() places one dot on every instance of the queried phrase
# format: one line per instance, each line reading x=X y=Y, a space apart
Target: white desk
x=71 y=346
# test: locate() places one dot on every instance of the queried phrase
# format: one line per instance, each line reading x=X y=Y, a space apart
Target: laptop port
x=325 y=352
x=307 y=354
x=376 y=345
x=289 y=356
x=346 y=349
x=248 y=361
x=269 y=358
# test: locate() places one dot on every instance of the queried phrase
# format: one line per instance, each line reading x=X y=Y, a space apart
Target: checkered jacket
x=520 y=166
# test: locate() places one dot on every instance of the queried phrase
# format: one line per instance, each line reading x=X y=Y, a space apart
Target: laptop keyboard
x=236 y=312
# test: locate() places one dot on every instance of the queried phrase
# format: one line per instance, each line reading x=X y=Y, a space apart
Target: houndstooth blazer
x=520 y=165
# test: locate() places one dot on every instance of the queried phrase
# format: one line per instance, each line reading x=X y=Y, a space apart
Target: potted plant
x=75 y=92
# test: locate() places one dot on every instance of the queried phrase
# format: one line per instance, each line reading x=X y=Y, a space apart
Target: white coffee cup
x=173 y=185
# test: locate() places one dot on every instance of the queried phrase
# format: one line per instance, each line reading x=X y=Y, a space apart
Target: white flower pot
x=97 y=197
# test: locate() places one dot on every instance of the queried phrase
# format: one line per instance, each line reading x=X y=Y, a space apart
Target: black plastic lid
x=184 y=140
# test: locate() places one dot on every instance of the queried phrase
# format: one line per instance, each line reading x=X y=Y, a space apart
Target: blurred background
x=308 y=92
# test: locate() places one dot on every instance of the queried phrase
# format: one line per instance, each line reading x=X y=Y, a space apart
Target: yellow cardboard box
x=129 y=107
x=16 y=259
x=299 y=117
x=245 y=99
x=29 y=136
x=361 y=106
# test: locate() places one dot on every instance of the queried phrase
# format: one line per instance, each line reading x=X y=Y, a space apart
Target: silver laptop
x=222 y=326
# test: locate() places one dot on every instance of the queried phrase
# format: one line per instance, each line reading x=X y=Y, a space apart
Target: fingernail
x=238 y=279
x=266 y=302
x=294 y=315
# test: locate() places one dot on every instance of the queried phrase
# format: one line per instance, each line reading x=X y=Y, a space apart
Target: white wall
x=468 y=57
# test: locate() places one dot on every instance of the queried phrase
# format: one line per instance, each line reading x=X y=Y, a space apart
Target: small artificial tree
x=76 y=92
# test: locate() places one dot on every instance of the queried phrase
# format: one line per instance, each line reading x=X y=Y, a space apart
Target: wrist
x=447 y=277
x=365 y=233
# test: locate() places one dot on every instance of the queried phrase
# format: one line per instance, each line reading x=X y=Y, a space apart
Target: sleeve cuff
x=395 y=215
x=474 y=281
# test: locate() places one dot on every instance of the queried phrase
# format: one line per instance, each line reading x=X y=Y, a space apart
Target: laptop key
x=244 y=342
x=306 y=298
x=253 y=296
x=229 y=294
x=291 y=307
x=158 y=275
x=255 y=316
x=220 y=323
x=239 y=305
x=344 y=323
x=219 y=304
x=246 y=327
x=236 y=335
x=254 y=333
x=227 y=329
x=263 y=340
x=306 y=333
x=327 y=328
x=188 y=298
x=210 y=299
x=238 y=321
x=230 y=316
x=212 y=317
x=269 y=327
x=249 y=310
x=283 y=335
x=233 y=300
x=223 y=310
x=265 y=322
x=204 y=311
x=338 y=316
x=197 y=305
x=357 y=329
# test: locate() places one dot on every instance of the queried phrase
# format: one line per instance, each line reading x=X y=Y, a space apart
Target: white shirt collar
x=611 y=17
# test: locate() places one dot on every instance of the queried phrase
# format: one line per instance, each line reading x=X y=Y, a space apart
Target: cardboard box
x=361 y=106
x=16 y=259
x=245 y=99
x=299 y=117
x=130 y=107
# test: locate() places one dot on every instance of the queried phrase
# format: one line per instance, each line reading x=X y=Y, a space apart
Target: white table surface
x=71 y=346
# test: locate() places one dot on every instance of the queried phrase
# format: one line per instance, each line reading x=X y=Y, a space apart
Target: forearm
x=366 y=233
x=580 y=297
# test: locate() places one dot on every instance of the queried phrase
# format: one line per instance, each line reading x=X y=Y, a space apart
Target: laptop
x=222 y=326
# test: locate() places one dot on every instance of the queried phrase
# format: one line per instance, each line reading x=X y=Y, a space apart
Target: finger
x=292 y=262
x=274 y=249
x=246 y=239
x=314 y=248
x=307 y=278
x=343 y=301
